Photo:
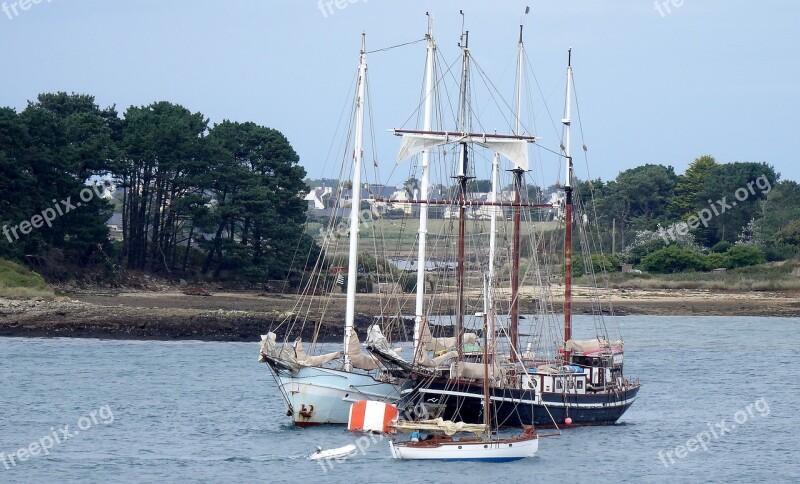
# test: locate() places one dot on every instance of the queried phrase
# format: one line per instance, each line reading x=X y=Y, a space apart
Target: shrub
x=673 y=259
x=721 y=247
x=742 y=255
x=716 y=260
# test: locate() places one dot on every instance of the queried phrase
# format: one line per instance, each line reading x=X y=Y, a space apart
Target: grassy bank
x=17 y=281
x=774 y=276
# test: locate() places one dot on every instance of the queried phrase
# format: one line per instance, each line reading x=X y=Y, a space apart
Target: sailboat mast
x=493 y=239
x=424 y=188
x=355 y=207
x=513 y=327
x=462 y=206
x=487 y=412
x=567 y=121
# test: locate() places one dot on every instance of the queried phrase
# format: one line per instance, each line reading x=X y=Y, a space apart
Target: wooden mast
x=463 y=177
x=513 y=327
x=568 y=217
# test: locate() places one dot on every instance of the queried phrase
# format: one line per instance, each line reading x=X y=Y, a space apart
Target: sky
x=657 y=82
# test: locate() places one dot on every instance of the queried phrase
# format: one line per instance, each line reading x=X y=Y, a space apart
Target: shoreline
x=244 y=316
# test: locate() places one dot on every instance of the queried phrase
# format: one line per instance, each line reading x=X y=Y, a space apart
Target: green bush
x=721 y=247
x=745 y=255
x=672 y=259
x=775 y=253
x=715 y=260
x=604 y=263
x=635 y=253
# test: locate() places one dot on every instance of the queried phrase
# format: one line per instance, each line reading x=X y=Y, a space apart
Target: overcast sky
x=666 y=85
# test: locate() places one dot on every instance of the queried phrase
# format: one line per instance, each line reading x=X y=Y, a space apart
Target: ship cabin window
x=579 y=384
x=559 y=385
x=571 y=385
x=595 y=362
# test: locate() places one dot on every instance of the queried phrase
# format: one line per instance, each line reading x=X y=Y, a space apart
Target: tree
x=162 y=148
x=259 y=200
x=66 y=139
x=689 y=185
x=777 y=213
x=731 y=197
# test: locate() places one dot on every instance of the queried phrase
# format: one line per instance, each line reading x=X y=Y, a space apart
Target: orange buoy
x=568 y=421
x=368 y=416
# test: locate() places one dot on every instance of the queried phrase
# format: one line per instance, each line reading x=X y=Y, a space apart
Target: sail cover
x=515 y=150
x=448 y=427
x=318 y=360
x=593 y=345
x=358 y=358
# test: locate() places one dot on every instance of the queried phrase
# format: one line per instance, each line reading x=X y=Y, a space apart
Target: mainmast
x=567 y=121
x=355 y=207
x=424 y=188
x=463 y=177
x=487 y=408
x=513 y=327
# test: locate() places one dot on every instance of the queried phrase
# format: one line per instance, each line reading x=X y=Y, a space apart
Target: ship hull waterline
x=322 y=396
x=518 y=408
x=469 y=451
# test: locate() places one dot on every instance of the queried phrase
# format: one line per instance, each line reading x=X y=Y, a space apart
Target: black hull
x=515 y=408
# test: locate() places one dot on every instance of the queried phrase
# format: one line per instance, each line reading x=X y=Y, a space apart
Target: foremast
x=355 y=207
x=423 y=195
x=567 y=122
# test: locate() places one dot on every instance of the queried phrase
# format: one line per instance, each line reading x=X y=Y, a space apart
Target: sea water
x=719 y=403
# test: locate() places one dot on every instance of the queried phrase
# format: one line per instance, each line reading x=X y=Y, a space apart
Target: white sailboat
x=485 y=446
x=319 y=394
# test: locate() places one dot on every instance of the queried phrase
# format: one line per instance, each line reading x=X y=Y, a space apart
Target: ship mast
x=424 y=188
x=355 y=207
x=463 y=178
x=487 y=408
x=513 y=327
x=567 y=121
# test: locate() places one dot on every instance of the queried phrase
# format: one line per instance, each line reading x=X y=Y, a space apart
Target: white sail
x=516 y=150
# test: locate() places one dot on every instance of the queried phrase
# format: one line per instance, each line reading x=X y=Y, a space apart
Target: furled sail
x=448 y=427
x=443 y=344
x=474 y=371
x=358 y=358
x=593 y=345
x=318 y=360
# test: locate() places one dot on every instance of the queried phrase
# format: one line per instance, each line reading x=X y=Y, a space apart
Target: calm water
x=207 y=412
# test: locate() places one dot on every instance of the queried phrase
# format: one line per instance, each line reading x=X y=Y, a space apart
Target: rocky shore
x=171 y=314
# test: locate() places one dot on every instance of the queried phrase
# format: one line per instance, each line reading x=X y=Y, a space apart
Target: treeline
x=666 y=222
x=222 y=201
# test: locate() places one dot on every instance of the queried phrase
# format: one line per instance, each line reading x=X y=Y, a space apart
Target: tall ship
x=544 y=376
